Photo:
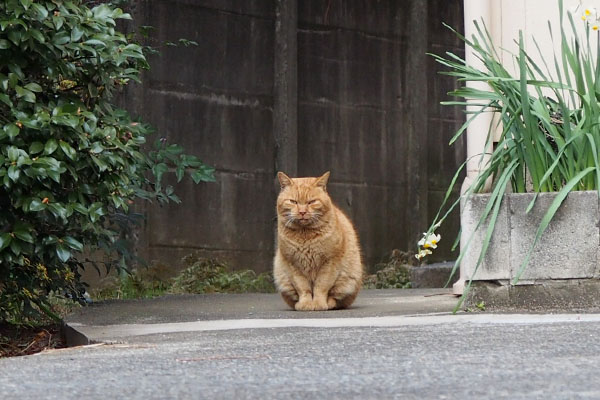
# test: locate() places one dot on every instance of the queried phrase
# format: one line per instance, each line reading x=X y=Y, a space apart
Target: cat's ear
x=322 y=180
x=284 y=180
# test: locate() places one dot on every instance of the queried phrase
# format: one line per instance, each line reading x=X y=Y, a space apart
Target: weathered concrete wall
x=348 y=89
x=568 y=249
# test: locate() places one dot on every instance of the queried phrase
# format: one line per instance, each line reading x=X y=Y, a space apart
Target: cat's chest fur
x=308 y=253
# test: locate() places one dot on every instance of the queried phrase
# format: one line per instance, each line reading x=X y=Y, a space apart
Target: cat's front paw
x=320 y=304
x=304 y=304
x=331 y=303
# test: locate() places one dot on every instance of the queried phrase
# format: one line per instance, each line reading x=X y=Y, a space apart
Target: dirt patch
x=21 y=341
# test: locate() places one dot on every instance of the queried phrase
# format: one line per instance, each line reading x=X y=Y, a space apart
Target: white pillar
x=477 y=130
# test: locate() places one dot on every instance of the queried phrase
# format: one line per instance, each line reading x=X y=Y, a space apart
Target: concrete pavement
x=391 y=344
x=117 y=320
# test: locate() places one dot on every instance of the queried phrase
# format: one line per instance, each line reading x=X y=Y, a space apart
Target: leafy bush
x=71 y=163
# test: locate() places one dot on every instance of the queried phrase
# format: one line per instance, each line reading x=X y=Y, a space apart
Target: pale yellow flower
x=422 y=253
x=429 y=241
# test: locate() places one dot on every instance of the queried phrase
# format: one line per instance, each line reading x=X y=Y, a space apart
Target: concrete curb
x=112 y=321
x=119 y=333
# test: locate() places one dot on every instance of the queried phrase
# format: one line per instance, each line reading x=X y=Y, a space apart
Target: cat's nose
x=302 y=213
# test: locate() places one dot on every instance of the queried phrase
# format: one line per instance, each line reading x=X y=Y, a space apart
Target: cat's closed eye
x=312 y=201
x=292 y=201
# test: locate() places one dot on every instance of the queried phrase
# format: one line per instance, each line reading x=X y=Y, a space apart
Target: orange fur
x=317 y=264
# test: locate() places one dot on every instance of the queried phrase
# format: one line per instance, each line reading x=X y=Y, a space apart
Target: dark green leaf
x=76 y=33
x=96 y=211
x=179 y=172
x=63 y=253
x=34 y=87
x=95 y=42
x=36 y=147
x=158 y=170
x=26 y=94
x=41 y=11
x=12 y=130
x=68 y=150
x=37 y=205
x=50 y=147
x=205 y=174
x=100 y=163
x=57 y=210
x=5 y=239
x=73 y=243
x=5 y=99
x=24 y=236
x=14 y=173
x=15 y=247
x=13 y=153
x=37 y=35
x=96 y=148
x=4 y=44
x=79 y=208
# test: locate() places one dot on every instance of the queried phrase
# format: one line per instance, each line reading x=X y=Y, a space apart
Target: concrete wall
x=305 y=87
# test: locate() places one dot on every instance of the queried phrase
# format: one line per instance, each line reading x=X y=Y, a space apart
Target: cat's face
x=303 y=202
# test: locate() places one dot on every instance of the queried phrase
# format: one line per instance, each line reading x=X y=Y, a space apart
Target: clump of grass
x=204 y=275
x=393 y=274
x=200 y=275
x=131 y=286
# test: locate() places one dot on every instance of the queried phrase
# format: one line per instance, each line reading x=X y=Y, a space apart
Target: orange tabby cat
x=317 y=264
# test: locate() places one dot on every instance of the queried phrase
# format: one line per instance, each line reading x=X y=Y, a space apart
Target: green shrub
x=71 y=163
x=203 y=275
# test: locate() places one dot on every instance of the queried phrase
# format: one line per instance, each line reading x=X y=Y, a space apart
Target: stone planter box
x=563 y=270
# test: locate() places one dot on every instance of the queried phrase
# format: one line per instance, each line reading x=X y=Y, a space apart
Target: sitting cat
x=317 y=263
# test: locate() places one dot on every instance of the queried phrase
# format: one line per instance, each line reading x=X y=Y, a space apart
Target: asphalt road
x=479 y=357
